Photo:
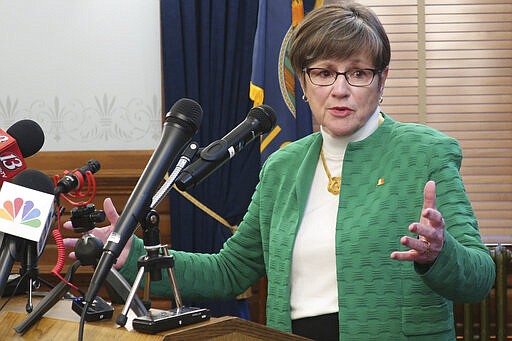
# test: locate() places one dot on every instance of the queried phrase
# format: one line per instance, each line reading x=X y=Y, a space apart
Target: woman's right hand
x=102 y=233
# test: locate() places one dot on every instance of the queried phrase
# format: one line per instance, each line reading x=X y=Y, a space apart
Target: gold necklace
x=334 y=181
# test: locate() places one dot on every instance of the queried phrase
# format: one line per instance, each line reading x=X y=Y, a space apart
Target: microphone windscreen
x=38 y=181
x=34 y=179
x=28 y=135
x=187 y=111
x=265 y=115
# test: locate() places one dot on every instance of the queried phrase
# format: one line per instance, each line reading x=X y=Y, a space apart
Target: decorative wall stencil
x=89 y=72
x=104 y=121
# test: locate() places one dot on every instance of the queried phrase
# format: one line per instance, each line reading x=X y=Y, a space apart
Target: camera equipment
x=98 y=310
x=84 y=218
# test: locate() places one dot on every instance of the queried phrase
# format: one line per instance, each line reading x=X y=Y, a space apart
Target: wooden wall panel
x=401 y=93
x=469 y=96
x=451 y=69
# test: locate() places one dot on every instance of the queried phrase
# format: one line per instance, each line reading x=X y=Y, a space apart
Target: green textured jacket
x=382 y=193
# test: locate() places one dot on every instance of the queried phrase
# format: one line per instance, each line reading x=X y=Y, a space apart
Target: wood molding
x=119 y=172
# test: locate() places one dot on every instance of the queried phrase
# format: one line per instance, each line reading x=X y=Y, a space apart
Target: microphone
x=40 y=182
x=23 y=139
x=260 y=120
x=75 y=180
x=181 y=123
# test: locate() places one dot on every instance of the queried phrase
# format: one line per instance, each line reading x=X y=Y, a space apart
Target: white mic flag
x=24 y=212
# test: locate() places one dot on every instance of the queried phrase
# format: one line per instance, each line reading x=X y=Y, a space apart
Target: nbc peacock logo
x=21 y=211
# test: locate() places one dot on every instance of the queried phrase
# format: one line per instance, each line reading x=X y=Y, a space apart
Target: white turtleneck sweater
x=314 y=288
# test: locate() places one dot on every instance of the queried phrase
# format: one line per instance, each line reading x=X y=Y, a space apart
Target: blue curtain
x=207 y=53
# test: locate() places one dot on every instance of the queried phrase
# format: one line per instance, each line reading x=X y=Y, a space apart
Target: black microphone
x=76 y=179
x=181 y=123
x=260 y=120
x=29 y=136
x=23 y=139
x=38 y=181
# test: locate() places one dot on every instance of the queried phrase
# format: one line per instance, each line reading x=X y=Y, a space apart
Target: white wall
x=88 y=71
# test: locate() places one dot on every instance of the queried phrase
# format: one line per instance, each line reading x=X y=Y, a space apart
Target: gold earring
x=304 y=98
x=381 y=99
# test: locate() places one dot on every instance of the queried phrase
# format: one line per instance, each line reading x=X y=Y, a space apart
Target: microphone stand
x=114 y=279
x=117 y=287
x=157 y=258
x=48 y=301
x=29 y=271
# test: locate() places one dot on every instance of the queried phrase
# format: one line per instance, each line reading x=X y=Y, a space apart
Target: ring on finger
x=426 y=252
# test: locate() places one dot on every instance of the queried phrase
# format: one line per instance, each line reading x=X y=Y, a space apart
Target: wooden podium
x=61 y=323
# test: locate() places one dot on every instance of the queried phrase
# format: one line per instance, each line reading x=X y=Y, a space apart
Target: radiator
x=492 y=311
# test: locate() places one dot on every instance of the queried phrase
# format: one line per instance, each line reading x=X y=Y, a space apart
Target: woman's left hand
x=430 y=231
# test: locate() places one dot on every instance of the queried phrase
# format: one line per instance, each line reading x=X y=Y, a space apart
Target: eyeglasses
x=354 y=77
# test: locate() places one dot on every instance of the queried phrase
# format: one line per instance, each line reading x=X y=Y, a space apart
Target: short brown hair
x=339 y=31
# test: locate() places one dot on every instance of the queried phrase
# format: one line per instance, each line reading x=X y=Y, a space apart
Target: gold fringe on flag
x=206 y=209
x=297 y=12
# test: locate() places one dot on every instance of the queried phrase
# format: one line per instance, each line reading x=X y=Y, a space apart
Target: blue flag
x=273 y=81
